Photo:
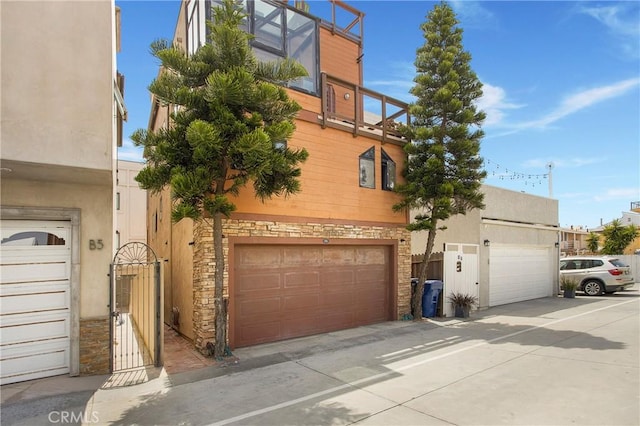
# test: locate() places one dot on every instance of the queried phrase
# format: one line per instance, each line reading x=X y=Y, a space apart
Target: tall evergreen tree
x=444 y=171
x=230 y=130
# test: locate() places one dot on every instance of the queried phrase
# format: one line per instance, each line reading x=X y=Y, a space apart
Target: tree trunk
x=219 y=304
x=416 y=297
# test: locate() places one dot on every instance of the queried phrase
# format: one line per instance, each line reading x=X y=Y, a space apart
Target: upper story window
x=367 y=168
x=388 y=172
x=279 y=31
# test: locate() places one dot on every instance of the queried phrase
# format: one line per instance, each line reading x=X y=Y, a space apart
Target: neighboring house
x=505 y=253
x=573 y=240
x=631 y=217
x=130 y=205
x=61 y=113
x=331 y=257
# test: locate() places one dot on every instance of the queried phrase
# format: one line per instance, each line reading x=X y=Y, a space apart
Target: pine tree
x=444 y=171
x=233 y=118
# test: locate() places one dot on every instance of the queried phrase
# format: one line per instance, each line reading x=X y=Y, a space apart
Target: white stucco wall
x=57 y=123
x=57 y=82
x=131 y=213
x=500 y=205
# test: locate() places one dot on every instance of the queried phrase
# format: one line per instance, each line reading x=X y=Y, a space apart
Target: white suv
x=597 y=274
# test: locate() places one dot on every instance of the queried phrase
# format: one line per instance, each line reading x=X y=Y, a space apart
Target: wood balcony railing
x=347 y=105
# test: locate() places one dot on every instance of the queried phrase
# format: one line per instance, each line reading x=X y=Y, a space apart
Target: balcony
x=348 y=106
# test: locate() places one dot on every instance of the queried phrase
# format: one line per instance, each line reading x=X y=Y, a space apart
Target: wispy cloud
x=472 y=14
x=582 y=100
x=622 y=21
x=617 y=194
x=130 y=152
x=494 y=103
x=537 y=163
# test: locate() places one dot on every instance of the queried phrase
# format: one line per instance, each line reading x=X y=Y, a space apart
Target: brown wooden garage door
x=285 y=291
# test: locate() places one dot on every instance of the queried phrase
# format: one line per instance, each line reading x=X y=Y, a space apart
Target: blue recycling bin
x=431 y=297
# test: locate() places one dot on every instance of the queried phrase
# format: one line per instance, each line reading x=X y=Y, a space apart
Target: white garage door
x=35 y=270
x=518 y=273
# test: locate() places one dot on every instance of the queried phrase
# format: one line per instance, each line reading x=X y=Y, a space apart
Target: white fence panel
x=633 y=260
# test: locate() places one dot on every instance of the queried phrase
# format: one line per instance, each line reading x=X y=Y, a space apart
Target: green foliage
x=462 y=299
x=568 y=283
x=618 y=237
x=231 y=110
x=229 y=123
x=443 y=172
x=593 y=242
x=444 y=168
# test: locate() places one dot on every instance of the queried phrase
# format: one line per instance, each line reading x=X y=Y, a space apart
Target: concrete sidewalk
x=528 y=363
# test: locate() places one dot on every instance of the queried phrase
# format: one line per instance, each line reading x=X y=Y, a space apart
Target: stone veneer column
x=94 y=346
x=203 y=285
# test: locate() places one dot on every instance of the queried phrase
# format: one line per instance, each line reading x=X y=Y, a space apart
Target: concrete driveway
x=550 y=361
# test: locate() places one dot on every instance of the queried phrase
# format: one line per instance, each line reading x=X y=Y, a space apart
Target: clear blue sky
x=561 y=86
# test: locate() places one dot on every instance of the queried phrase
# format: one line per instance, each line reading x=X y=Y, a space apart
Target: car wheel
x=592 y=288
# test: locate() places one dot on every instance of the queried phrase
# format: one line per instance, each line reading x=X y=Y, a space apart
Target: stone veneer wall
x=94 y=346
x=204 y=265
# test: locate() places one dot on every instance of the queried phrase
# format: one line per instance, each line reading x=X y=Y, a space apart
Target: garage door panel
x=372 y=256
x=301 y=279
x=520 y=273
x=256 y=282
x=261 y=306
x=35 y=300
x=372 y=274
x=307 y=257
x=34 y=359
x=34 y=327
x=322 y=290
x=259 y=256
x=337 y=256
x=28 y=272
x=337 y=276
x=301 y=301
x=260 y=332
x=290 y=329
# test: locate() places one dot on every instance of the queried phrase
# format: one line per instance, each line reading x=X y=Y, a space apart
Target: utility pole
x=550 y=167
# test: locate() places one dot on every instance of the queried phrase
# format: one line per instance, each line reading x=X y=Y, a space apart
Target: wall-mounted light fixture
x=325 y=241
x=557 y=244
x=346 y=96
x=487 y=243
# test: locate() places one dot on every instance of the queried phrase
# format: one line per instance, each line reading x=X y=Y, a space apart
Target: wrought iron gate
x=135 y=308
